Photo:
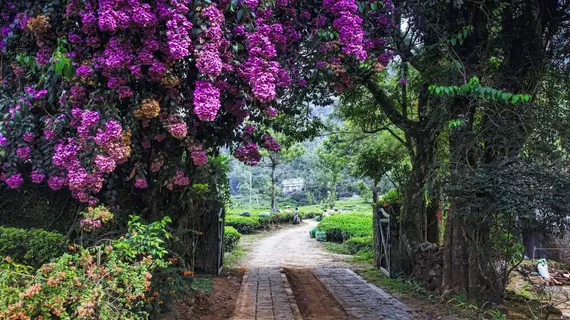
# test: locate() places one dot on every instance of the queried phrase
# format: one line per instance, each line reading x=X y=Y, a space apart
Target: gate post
x=395 y=252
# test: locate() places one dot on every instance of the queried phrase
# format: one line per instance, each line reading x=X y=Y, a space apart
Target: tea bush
x=341 y=227
x=244 y=225
x=32 y=247
x=281 y=217
x=355 y=244
x=231 y=238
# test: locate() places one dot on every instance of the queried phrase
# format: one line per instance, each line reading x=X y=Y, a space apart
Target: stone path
x=361 y=299
x=316 y=284
x=266 y=295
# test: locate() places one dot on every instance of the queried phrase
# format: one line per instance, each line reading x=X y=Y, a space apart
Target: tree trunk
x=273 y=204
x=414 y=229
x=376 y=225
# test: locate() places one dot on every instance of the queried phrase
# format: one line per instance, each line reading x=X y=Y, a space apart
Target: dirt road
x=292 y=247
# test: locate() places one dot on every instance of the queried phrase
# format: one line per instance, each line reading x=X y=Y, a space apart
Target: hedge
x=231 y=238
x=341 y=227
x=244 y=225
x=32 y=247
x=356 y=244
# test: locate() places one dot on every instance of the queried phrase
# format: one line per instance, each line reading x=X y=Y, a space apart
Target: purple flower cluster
x=206 y=101
x=28 y=137
x=178 y=180
x=263 y=74
x=249 y=129
x=55 y=183
x=90 y=224
x=248 y=154
x=199 y=158
x=271 y=112
x=140 y=183
x=178 y=130
x=24 y=153
x=270 y=143
x=349 y=26
x=37 y=177
x=178 y=30
x=14 y=181
x=104 y=163
x=208 y=59
x=84 y=71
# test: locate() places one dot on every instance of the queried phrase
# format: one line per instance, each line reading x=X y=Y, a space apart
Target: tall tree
x=289 y=150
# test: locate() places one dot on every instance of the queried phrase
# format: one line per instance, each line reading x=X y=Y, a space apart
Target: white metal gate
x=384 y=222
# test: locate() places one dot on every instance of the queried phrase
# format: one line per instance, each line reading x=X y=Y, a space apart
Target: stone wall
x=429 y=266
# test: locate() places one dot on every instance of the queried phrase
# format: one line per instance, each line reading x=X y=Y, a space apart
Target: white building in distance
x=292 y=185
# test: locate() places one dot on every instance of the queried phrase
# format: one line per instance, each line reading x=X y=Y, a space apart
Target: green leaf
x=374 y=6
x=453 y=42
x=516 y=98
x=465 y=32
x=505 y=96
x=438 y=90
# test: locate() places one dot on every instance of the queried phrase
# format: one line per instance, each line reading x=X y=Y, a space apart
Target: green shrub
x=231 y=238
x=104 y=282
x=341 y=227
x=312 y=232
x=282 y=217
x=244 y=225
x=393 y=197
x=355 y=244
x=308 y=215
x=32 y=247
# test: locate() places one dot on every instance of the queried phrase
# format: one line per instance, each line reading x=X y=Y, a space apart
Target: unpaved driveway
x=291 y=247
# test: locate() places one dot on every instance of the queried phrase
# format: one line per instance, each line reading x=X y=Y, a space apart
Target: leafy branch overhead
x=474 y=89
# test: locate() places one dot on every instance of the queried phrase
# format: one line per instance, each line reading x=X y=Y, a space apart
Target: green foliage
x=341 y=227
x=281 y=217
x=144 y=238
x=497 y=315
x=231 y=238
x=244 y=225
x=200 y=188
x=364 y=190
x=400 y=284
x=475 y=89
x=32 y=247
x=338 y=248
x=356 y=244
x=365 y=255
x=393 y=197
x=459 y=37
x=107 y=282
x=310 y=198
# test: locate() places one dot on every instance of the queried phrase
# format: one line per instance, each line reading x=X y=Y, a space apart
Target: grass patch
x=364 y=256
x=339 y=248
x=400 y=285
x=233 y=259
